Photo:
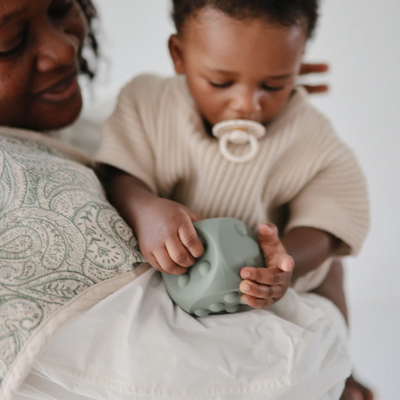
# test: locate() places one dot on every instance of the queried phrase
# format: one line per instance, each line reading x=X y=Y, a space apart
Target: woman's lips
x=62 y=91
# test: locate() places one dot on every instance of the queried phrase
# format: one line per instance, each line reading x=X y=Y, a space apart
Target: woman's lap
x=137 y=343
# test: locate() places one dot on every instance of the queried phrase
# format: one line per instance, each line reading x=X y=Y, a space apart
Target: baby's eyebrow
x=277 y=77
x=221 y=71
x=5 y=19
x=272 y=77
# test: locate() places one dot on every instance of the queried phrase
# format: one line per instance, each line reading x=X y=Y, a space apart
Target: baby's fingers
x=255 y=302
x=285 y=263
x=268 y=235
x=264 y=276
x=178 y=252
x=190 y=239
x=261 y=291
x=164 y=263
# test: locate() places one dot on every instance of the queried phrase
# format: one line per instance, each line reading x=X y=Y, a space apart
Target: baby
x=236 y=59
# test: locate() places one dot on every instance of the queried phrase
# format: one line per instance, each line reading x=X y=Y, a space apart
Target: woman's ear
x=175 y=50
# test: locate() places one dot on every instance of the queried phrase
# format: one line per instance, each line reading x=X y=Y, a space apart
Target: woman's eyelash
x=221 y=85
x=16 y=50
x=60 y=11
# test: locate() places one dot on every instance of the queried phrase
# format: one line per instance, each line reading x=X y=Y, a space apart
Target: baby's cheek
x=213 y=111
x=276 y=103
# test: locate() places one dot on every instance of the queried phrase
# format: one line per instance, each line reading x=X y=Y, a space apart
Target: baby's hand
x=166 y=236
x=262 y=287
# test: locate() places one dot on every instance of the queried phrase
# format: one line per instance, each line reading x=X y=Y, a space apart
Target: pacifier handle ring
x=223 y=146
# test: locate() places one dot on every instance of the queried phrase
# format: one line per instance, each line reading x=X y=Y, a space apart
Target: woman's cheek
x=15 y=83
x=16 y=76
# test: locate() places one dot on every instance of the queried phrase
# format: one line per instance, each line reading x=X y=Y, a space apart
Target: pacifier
x=239 y=131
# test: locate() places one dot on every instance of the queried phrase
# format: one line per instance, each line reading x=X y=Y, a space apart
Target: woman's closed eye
x=13 y=46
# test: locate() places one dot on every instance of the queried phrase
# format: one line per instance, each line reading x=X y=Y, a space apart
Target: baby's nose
x=246 y=104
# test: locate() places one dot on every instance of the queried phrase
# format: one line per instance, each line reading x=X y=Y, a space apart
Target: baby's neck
x=207 y=127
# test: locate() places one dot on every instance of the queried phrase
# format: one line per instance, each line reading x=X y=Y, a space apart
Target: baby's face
x=238 y=69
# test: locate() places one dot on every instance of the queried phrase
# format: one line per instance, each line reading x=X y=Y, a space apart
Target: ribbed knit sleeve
x=335 y=199
x=128 y=136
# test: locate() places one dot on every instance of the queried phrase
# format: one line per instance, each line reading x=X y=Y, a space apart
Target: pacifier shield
x=239 y=132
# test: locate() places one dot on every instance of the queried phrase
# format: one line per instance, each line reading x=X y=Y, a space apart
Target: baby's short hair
x=282 y=12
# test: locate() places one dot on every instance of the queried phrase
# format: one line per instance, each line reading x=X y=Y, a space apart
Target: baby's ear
x=175 y=50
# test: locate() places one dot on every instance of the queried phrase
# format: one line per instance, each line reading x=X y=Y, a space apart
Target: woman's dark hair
x=283 y=12
x=90 y=13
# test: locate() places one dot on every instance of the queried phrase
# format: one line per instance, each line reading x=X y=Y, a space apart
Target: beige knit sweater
x=303 y=174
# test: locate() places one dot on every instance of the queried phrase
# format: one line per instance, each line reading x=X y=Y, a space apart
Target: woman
x=62 y=246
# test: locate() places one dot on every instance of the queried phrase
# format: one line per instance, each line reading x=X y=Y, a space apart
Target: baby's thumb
x=286 y=263
x=195 y=217
x=268 y=234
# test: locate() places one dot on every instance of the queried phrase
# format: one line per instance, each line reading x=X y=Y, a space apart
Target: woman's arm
x=309 y=248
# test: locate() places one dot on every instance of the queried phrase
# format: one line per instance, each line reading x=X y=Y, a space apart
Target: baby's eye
x=271 y=88
x=60 y=8
x=13 y=46
x=221 y=85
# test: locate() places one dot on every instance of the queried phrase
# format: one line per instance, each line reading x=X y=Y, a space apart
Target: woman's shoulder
x=17 y=142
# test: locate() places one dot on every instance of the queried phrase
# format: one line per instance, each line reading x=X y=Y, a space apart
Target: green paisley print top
x=58 y=237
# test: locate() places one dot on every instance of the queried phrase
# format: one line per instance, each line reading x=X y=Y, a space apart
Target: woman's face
x=40 y=49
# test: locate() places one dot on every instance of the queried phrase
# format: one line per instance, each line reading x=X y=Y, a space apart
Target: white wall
x=360 y=38
x=133 y=36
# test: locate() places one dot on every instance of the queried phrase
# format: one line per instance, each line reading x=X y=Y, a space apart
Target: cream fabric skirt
x=137 y=344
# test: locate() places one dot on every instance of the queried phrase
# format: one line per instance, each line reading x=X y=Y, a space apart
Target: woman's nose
x=246 y=102
x=57 y=49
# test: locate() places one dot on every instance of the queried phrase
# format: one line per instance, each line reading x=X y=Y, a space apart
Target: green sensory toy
x=211 y=285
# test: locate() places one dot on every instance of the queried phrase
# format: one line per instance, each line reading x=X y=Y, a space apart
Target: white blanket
x=136 y=344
